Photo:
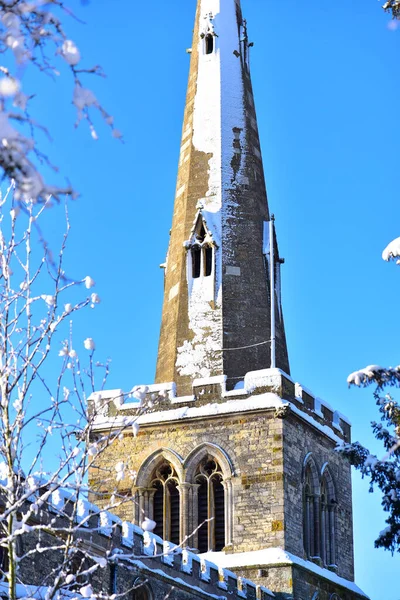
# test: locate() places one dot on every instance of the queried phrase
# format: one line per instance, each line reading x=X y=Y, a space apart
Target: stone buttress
x=217 y=289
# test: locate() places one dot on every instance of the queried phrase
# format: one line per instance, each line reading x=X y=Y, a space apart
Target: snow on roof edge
x=278 y=556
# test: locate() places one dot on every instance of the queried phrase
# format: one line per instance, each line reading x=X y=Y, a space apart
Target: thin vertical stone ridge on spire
x=217 y=292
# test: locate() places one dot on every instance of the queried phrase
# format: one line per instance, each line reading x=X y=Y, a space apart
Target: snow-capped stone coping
x=263 y=389
x=106 y=531
x=270 y=557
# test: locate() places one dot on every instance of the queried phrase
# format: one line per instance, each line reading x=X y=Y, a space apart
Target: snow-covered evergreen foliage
x=384 y=471
x=393 y=7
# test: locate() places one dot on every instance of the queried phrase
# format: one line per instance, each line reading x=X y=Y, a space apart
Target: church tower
x=232 y=457
x=216 y=316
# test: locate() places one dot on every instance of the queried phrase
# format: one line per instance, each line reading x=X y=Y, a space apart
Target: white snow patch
x=363 y=375
x=277 y=556
x=392 y=250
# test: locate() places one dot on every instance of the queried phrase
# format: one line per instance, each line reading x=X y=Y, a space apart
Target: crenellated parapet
x=259 y=390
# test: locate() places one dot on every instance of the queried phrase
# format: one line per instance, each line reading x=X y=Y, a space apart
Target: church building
x=235 y=461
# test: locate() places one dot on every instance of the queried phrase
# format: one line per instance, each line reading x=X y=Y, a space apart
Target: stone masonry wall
x=253 y=443
x=300 y=438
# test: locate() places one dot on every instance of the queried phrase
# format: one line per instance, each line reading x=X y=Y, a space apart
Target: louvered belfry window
x=211 y=506
x=166 y=503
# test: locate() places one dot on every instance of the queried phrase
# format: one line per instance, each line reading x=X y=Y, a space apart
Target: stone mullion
x=307 y=528
x=193 y=514
x=184 y=511
x=323 y=535
x=166 y=513
x=332 y=519
x=311 y=522
x=150 y=502
x=210 y=515
x=228 y=505
x=139 y=505
x=144 y=504
x=317 y=526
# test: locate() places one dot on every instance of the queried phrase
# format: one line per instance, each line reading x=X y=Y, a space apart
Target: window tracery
x=328 y=521
x=310 y=514
x=166 y=503
x=202 y=252
x=211 y=505
x=319 y=515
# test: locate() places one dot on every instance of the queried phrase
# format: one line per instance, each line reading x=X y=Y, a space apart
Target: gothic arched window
x=166 y=503
x=209 y=43
x=202 y=253
x=211 y=506
x=328 y=520
x=141 y=590
x=311 y=510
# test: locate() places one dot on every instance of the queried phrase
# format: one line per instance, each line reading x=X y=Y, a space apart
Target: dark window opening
x=141 y=591
x=173 y=493
x=196 y=261
x=113 y=579
x=158 y=512
x=208 y=256
x=202 y=514
x=219 y=504
x=210 y=507
x=209 y=44
x=166 y=504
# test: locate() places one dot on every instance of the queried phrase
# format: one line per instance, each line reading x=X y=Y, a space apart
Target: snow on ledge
x=259 y=402
x=263 y=378
x=262 y=401
x=277 y=556
x=209 y=380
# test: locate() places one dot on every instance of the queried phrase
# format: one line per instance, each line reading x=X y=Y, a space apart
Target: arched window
x=328 y=520
x=311 y=508
x=211 y=506
x=141 y=590
x=309 y=514
x=166 y=503
x=202 y=253
x=209 y=42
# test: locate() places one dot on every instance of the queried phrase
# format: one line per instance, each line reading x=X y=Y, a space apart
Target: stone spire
x=216 y=315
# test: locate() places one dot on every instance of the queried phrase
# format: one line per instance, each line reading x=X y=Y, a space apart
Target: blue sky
x=326 y=84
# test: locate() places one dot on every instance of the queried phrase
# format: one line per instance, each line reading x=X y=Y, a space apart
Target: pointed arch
x=311 y=470
x=155 y=460
x=158 y=495
x=329 y=481
x=311 y=491
x=328 y=517
x=201 y=247
x=208 y=471
x=199 y=453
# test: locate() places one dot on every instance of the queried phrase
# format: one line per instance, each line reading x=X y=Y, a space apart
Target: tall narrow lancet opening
x=211 y=506
x=311 y=509
x=328 y=519
x=166 y=503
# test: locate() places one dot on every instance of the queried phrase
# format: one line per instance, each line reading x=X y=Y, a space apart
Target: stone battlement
x=105 y=534
x=162 y=398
